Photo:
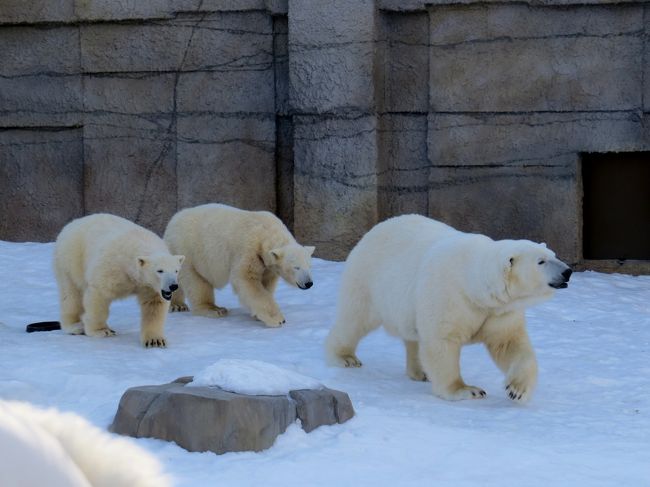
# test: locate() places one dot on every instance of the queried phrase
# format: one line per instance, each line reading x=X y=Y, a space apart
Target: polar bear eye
x=159 y=271
x=542 y=262
x=296 y=268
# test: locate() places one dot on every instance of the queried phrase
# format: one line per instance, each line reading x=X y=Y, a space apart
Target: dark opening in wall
x=616 y=206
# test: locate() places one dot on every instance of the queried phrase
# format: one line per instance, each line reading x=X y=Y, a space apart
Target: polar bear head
x=293 y=263
x=160 y=272
x=531 y=272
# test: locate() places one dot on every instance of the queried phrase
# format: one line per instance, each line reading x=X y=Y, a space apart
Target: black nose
x=567 y=274
x=308 y=284
x=173 y=287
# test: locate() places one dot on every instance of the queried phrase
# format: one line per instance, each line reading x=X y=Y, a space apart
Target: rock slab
x=212 y=419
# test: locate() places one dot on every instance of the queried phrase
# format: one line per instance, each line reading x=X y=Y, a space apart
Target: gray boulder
x=211 y=419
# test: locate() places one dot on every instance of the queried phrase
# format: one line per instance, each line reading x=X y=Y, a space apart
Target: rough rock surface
x=334 y=114
x=211 y=419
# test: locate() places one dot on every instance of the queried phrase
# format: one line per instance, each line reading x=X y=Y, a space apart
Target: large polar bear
x=44 y=447
x=249 y=249
x=438 y=289
x=100 y=258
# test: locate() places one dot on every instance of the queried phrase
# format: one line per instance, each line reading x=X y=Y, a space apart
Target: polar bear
x=100 y=258
x=249 y=249
x=438 y=289
x=46 y=447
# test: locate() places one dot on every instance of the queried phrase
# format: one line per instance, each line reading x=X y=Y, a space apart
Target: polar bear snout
x=561 y=280
x=169 y=286
x=303 y=279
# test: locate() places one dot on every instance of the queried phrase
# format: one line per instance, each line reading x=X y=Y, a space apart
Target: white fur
x=250 y=249
x=100 y=258
x=47 y=448
x=439 y=289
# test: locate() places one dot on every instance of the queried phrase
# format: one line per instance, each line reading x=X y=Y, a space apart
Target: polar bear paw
x=73 y=328
x=518 y=391
x=271 y=320
x=210 y=311
x=417 y=375
x=100 y=332
x=349 y=360
x=463 y=392
x=178 y=307
x=154 y=342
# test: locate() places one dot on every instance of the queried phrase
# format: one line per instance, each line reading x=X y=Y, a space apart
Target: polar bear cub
x=438 y=289
x=249 y=249
x=100 y=258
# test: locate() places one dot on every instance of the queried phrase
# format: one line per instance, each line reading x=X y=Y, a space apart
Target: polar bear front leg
x=270 y=281
x=510 y=348
x=440 y=360
x=153 y=311
x=95 y=314
x=178 y=301
x=259 y=300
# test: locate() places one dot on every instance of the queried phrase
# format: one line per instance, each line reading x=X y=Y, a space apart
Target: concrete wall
x=334 y=114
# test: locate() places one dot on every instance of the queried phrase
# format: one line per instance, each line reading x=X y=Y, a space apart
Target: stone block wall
x=335 y=115
x=486 y=109
x=137 y=108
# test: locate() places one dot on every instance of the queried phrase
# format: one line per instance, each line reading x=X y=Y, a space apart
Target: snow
x=252 y=377
x=587 y=424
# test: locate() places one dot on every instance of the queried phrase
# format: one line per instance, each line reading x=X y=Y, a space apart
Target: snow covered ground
x=587 y=425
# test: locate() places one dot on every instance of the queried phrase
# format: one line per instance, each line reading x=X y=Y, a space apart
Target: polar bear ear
x=181 y=259
x=141 y=261
x=272 y=257
x=276 y=255
x=310 y=250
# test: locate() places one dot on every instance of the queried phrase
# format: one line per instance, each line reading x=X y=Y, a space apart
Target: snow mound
x=252 y=377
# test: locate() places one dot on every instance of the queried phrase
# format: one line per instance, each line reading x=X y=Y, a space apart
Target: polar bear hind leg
x=95 y=314
x=354 y=321
x=200 y=294
x=413 y=366
x=70 y=304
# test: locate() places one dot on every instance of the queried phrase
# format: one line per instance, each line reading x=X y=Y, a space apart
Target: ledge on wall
x=632 y=267
x=418 y=5
x=80 y=11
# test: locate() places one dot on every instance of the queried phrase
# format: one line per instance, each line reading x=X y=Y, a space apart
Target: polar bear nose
x=173 y=287
x=308 y=284
x=567 y=274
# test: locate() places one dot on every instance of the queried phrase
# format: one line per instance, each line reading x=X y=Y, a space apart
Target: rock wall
x=134 y=108
x=335 y=114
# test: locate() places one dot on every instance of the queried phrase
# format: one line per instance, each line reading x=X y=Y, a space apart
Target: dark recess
x=616 y=205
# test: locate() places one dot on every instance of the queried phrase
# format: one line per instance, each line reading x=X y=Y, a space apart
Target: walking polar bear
x=250 y=249
x=100 y=258
x=438 y=289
